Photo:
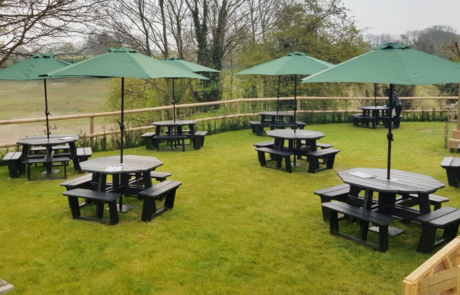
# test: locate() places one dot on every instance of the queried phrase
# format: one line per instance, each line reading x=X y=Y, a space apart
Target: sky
x=396 y=17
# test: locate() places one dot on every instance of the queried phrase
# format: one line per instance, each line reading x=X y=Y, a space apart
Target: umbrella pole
x=375 y=94
x=278 y=102
x=390 y=135
x=122 y=127
x=295 y=102
x=46 y=111
x=174 y=102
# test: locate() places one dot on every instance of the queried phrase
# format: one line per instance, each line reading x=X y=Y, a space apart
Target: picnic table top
x=277 y=114
x=131 y=164
x=175 y=123
x=43 y=140
x=380 y=108
x=299 y=134
x=400 y=182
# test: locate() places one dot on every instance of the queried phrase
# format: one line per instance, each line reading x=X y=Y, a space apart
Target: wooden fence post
x=91 y=125
x=239 y=107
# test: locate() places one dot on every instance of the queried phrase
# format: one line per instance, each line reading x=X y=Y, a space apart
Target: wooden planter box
x=438 y=275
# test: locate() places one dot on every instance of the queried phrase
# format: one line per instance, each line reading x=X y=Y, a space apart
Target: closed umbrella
x=125 y=63
x=392 y=63
x=189 y=66
x=295 y=63
x=30 y=69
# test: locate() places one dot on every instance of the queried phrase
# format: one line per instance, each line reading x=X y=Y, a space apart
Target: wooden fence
x=221 y=102
x=439 y=275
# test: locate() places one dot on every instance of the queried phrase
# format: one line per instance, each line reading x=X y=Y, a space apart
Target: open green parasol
x=295 y=63
x=392 y=63
x=30 y=69
x=125 y=63
x=189 y=66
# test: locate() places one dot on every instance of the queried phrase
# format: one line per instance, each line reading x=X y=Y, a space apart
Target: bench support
x=166 y=190
x=362 y=238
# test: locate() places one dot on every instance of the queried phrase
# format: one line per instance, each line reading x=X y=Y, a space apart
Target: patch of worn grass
x=236 y=228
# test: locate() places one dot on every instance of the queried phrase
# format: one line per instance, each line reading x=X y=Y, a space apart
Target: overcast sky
x=399 y=16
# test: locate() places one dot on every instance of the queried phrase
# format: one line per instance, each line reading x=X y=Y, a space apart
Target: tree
x=321 y=29
x=67 y=48
x=33 y=23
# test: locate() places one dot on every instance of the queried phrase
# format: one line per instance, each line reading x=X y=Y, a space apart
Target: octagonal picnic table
x=401 y=182
x=294 y=138
x=121 y=174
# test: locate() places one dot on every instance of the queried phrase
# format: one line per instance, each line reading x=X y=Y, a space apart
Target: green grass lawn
x=236 y=228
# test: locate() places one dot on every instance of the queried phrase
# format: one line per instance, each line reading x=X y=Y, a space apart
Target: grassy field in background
x=26 y=99
x=236 y=228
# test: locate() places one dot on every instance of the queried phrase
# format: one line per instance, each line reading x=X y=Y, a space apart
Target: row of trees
x=227 y=35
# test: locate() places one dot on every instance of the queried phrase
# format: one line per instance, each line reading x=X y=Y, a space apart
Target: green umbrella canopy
x=31 y=68
x=294 y=63
x=190 y=66
x=126 y=63
x=392 y=63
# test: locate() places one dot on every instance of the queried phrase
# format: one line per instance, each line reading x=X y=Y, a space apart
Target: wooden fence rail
x=221 y=102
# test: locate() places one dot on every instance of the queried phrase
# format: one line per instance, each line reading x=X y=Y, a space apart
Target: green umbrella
x=189 y=66
x=125 y=63
x=30 y=69
x=392 y=63
x=296 y=63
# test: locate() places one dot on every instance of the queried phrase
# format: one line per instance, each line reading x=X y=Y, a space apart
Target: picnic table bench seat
x=83 y=154
x=39 y=149
x=386 y=121
x=275 y=154
x=167 y=190
x=297 y=125
x=327 y=156
x=15 y=166
x=61 y=159
x=446 y=218
x=159 y=176
x=198 y=139
x=324 y=145
x=268 y=144
x=172 y=139
x=79 y=182
x=147 y=137
x=411 y=200
x=365 y=217
x=257 y=127
x=364 y=120
x=100 y=198
x=340 y=193
x=452 y=166
x=5 y=287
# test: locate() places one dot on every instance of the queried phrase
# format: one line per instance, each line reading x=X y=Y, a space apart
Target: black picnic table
x=373 y=114
x=279 y=119
x=175 y=131
x=175 y=127
x=294 y=138
x=121 y=174
x=374 y=111
x=375 y=180
x=48 y=143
